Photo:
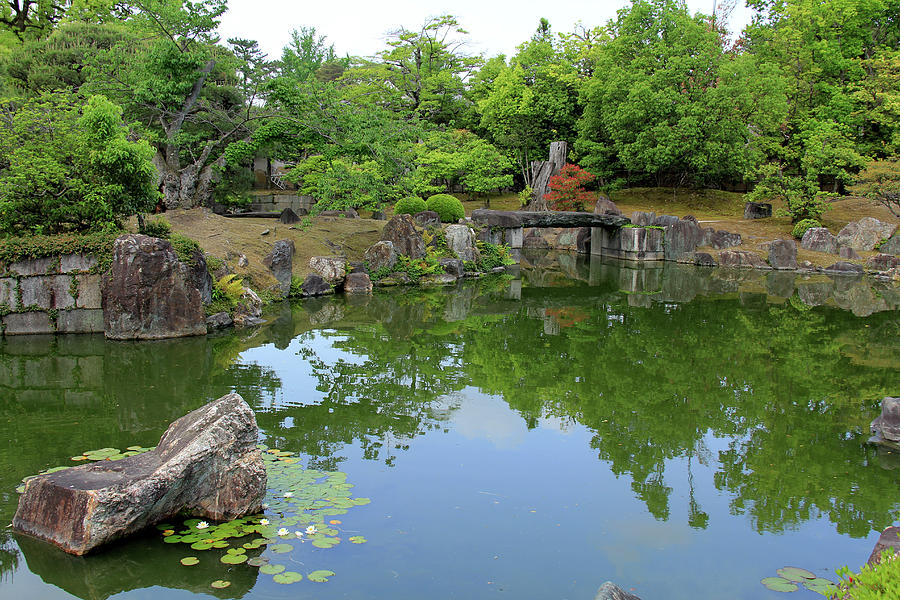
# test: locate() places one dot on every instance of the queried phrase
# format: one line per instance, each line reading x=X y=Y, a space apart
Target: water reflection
x=767 y=379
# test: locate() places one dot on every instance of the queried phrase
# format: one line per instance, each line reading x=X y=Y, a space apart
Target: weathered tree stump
x=542 y=171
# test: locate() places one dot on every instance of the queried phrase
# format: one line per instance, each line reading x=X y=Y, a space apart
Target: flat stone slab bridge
x=506 y=226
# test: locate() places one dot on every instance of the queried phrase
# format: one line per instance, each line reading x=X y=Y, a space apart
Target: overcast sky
x=358 y=27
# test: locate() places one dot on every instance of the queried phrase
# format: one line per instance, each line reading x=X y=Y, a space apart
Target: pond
x=683 y=432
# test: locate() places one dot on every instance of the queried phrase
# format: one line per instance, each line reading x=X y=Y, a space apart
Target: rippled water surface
x=680 y=431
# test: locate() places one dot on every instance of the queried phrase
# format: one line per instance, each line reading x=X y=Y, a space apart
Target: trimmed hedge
x=802 y=226
x=409 y=206
x=448 y=207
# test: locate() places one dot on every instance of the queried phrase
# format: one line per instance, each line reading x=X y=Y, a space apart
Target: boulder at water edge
x=610 y=591
x=281 y=262
x=401 y=231
x=783 y=254
x=332 y=269
x=380 y=255
x=148 y=293
x=207 y=465
x=886 y=426
x=461 y=240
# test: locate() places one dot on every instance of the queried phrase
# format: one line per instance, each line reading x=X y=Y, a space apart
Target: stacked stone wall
x=55 y=294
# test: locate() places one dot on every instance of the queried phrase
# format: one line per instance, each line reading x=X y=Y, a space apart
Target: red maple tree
x=567 y=189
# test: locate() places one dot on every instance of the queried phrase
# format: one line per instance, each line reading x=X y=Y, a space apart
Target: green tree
x=31 y=18
x=65 y=171
x=307 y=55
x=459 y=157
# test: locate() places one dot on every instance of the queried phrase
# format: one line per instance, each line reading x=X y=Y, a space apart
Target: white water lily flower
x=263 y=521
x=288 y=494
x=299 y=534
x=283 y=531
x=265 y=506
x=202 y=525
x=311 y=530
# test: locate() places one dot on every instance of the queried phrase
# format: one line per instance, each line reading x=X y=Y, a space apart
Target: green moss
x=184 y=247
x=13 y=249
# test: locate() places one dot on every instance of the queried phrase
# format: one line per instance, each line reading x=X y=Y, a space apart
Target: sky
x=359 y=27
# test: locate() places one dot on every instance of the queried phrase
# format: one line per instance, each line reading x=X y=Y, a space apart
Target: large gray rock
x=605 y=206
x=704 y=259
x=380 y=255
x=890 y=538
x=148 y=293
x=357 y=283
x=206 y=465
x=427 y=218
x=742 y=259
x=314 y=285
x=664 y=220
x=281 y=262
x=642 y=219
x=332 y=269
x=610 y=591
x=199 y=275
x=886 y=426
x=891 y=246
x=819 y=239
x=682 y=239
x=883 y=262
x=725 y=239
x=220 y=320
x=783 y=254
x=288 y=217
x=401 y=231
x=461 y=240
x=248 y=309
x=848 y=253
x=453 y=266
x=844 y=268
x=865 y=233
x=757 y=210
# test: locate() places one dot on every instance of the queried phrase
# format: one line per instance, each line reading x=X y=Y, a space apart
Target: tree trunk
x=542 y=171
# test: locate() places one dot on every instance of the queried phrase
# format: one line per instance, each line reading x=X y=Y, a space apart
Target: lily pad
x=280 y=548
x=795 y=574
x=220 y=584
x=358 y=539
x=258 y=561
x=325 y=542
x=779 y=584
x=271 y=569
x=233 y=559
x=818 y=585
x=190 y=561
x=320 y=576
x=288 y=577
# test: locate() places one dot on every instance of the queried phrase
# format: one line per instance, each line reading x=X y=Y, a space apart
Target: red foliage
x=567 y=189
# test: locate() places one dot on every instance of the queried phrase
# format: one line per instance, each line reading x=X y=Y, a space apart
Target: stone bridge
x=607 y=236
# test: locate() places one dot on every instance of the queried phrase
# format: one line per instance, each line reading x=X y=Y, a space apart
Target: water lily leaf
x=779 y=584
x=271 y=569
x=236 y=551
x=358 y=539
x=281 y=548
x=361 y=501
x=818 y=585
x=288 y=577
x=189 y=561
x=795 y=574
x=233 y=559
x=172 y=539
x=201 y=546
x=325 y=542
x=220 y=544
x=258 y=561
x=220 y=584
x=320 y=576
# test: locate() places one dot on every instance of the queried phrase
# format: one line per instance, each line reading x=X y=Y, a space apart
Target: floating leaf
x=280 y=548
x=795 y=574
x=358 y=539
x=320 y=576
x=325 y=542
x=190 y=561
x=288 y=577
x=220 y=544
x=233 y=559
x=172 y=539
x=201 y=546
x=220 y=584
x=818 y=585
x=779 y=584
x=361 y=501
x=271 y=569
x=258 y=561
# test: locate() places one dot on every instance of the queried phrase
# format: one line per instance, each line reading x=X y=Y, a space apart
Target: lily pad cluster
x=791 y=578
x=299 y=511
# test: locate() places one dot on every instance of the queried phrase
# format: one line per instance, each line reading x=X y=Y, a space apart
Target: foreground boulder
x=886 y=426
x=207 y=465
x=742 y=259
x=461 y=241
x=865 y=234
x=332 y=269
x=401 y=232
x=380 y=255
x=610 y=591
x=281 y=262
x=148 y=293
x=819 y=239
x=783 y=254
x=890 y=538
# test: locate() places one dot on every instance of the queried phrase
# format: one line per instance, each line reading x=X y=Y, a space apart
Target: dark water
x=680 y=431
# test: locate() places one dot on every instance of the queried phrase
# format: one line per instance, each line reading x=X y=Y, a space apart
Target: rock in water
x=783 y=254
x=148 y=293
x=461 y=241
x=610 y=591
x=886 y=426
x=207 y=464
x=281 y=261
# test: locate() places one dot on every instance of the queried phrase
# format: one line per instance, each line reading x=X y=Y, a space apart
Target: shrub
x=409 y=206
x=879 y=582
x=184 y=247
x=802 y=226
x=492 y=255
x=567 y=189
x=226 y=294
x=158 y=227
x=448 y=207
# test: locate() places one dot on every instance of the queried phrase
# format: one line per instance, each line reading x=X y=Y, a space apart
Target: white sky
x=358 y=27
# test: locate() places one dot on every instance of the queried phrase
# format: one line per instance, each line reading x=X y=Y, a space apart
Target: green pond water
x=682 y=432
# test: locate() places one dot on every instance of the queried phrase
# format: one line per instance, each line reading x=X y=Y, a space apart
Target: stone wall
x=57 y=294
x=278 y=202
